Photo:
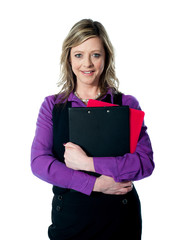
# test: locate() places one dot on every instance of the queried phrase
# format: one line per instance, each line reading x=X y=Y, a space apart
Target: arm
x=77 y=159
x=44 y=165
x=134 y=166
x=129 y=167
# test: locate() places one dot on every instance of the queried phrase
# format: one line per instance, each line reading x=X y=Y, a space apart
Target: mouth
x=87 y=72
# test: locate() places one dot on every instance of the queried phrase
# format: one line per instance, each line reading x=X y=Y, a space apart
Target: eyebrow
x=91 y=51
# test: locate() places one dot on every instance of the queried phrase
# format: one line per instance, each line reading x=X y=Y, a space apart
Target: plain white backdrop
x=146 y=38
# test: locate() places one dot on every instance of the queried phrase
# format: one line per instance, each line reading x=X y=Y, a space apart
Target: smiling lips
x=89 y=73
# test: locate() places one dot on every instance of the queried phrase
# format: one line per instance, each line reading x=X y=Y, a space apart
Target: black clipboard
x=102 y=131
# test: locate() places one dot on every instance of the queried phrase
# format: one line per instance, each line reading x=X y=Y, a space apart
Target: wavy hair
x=80 y=32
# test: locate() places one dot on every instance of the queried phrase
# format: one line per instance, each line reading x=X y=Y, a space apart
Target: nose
x=88 y=62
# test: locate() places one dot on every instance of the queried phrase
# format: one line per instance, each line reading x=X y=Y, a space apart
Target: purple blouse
x=44 y=165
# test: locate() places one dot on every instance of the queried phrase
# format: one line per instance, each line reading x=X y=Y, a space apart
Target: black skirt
x=96 y=217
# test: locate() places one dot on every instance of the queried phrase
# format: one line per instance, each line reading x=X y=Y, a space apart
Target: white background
x=146 y=37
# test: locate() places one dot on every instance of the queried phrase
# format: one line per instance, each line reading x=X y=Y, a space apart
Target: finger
x=126 y=190
x=70 y=144
x=126 y=184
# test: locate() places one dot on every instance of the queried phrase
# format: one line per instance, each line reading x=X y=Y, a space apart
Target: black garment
x=98 y=216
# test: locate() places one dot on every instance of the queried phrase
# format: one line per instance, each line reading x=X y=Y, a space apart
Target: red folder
x=136 y=120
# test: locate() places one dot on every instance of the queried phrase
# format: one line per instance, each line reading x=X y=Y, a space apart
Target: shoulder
x=51 y=100
x=130 y=100
x=48 y=105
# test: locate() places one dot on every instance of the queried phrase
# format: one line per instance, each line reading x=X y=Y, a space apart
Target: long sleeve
x=44 y=165
x=135 y=166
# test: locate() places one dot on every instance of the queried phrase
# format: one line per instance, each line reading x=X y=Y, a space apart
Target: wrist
x=89 y=164
x=97 y=185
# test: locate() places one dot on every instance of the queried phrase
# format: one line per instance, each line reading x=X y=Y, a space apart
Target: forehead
x=91 y=44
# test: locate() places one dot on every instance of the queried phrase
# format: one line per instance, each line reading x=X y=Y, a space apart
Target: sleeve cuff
x=82 y=182
x=105 y=166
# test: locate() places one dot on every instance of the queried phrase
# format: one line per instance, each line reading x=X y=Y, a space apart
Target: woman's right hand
x=107 y=185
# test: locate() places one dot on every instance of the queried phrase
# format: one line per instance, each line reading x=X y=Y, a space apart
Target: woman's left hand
x=76 y=158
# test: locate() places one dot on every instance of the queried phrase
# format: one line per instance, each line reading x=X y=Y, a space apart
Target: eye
x=78 y=55
x=96 y=55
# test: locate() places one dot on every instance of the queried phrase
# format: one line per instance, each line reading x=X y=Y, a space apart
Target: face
x=87 y=61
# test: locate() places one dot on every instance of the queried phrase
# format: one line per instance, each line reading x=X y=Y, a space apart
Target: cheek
x=100 y=66
x=74 y=66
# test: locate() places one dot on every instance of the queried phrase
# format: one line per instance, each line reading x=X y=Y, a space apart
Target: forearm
x=129 y=167
x=132 y=167
x=49 y=169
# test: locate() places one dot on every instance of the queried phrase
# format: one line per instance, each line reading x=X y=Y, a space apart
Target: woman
x=87 y=206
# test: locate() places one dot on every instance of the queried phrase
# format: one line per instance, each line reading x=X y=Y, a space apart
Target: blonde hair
x=80 y=32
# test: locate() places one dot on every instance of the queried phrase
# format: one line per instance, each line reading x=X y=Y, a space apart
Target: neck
x=87 y=92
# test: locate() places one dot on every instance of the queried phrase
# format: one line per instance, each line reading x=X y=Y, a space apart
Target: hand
x=76 y=158
x=107 y=185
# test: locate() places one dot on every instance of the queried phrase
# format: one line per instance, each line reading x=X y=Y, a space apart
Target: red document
x=136 y=118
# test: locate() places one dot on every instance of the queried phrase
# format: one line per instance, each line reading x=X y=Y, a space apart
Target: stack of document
x=105 y=130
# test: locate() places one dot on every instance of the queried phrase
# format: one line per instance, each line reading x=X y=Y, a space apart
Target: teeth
x=87 y=72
